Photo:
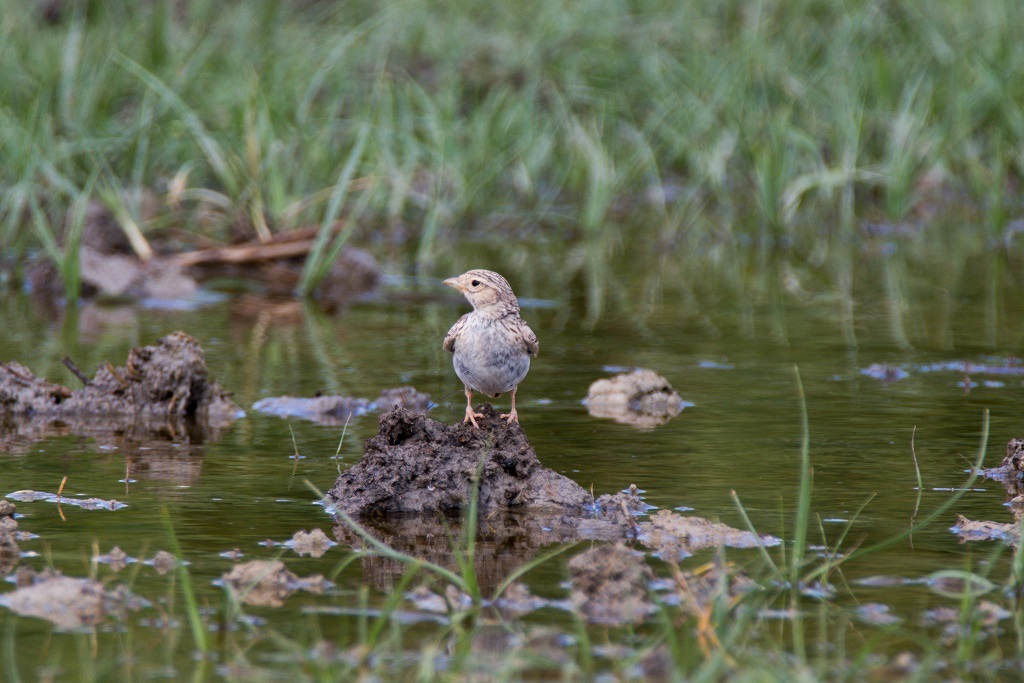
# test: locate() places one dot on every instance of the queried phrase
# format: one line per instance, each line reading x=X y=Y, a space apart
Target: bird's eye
x=475 y=283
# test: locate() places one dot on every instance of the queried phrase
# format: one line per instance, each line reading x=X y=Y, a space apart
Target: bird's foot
x=471 y=416
x=511 y=417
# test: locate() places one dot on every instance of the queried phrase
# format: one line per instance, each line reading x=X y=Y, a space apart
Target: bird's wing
x=454 y=334
x=529 y=338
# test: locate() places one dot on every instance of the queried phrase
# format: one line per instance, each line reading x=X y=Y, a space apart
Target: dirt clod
x=980 y=530
x=268 y=583
x=10 y=553
x=641 y=398
x=67 y=602
x=675 y=537
x=417 y=464
x=610 y=585
x=163 y=562
x=314 y=543
x=1014 y=458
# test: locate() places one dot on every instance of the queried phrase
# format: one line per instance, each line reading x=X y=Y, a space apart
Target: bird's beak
x=453 y=282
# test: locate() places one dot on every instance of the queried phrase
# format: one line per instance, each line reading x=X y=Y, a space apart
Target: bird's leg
x=512 y=416
x=471 y=415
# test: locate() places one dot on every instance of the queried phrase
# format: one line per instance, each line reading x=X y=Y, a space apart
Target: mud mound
x=161 y=388
x=417 y=464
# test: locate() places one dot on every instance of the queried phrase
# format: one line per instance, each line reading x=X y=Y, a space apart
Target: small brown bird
x=491 y=345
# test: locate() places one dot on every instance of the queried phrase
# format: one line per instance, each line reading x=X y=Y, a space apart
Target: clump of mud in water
x=268 y=583
x=9 y=550
x=611 y=585
x=161 y=388
x=417 y=464
x=675 y=537
x=641 y=398
x=68 y=602
x=1010 y=472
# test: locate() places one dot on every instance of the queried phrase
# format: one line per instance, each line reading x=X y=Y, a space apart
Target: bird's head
x=487 y=291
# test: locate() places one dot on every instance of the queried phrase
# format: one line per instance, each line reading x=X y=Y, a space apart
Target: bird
x=491 y=346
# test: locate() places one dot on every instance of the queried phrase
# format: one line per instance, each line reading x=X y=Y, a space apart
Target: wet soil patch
x=162 y=390
x=417 y=464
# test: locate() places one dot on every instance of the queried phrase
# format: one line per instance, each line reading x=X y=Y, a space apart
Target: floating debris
x=714 y=365
x=877 y=614
x=885 y=373
x=427 y=600
x=954 y=583
x=28 y=496
x=887 y=581
x=337 y=410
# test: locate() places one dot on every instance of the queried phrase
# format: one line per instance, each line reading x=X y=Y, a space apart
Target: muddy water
x=728 y=345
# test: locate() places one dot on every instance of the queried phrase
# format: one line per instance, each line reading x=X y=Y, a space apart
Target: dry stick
x=70 y=365
x=296 y=242
x=116 y=375
x=55 y=389
x=60 y=490
x=245 y=253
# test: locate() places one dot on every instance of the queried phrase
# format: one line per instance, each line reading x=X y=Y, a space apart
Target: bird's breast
x=490 y=357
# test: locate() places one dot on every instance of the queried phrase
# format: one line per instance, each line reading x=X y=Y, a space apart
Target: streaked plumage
x=491 y=345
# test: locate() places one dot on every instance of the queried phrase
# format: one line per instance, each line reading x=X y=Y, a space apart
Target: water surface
x=731 y=345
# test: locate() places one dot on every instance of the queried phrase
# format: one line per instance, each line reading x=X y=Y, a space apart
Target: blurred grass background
x=678 y=125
